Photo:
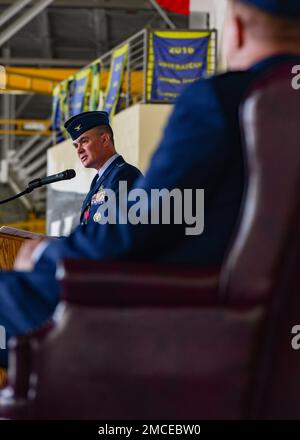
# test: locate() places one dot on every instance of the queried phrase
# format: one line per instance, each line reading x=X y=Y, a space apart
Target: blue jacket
x=117 y=171
x=201 y=148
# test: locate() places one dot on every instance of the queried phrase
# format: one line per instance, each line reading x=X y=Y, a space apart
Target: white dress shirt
x=106 y=165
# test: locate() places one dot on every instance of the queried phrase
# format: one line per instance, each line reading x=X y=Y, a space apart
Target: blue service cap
x=79 y=124
x=284 y=8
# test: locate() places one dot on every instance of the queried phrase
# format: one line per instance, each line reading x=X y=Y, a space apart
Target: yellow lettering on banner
x=169 y=80
x=179 y=50
x=188 y=66
x=172 y=95
x=189 y=80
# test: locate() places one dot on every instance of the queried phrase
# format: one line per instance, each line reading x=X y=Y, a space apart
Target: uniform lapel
x=107 y=172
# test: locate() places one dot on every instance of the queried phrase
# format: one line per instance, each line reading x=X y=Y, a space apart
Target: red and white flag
x=178 y=6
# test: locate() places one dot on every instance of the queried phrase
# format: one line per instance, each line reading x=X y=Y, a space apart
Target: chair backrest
x=276 y=390
x=271 y=131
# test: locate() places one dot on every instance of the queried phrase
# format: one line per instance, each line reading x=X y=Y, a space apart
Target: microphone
x=64 y=175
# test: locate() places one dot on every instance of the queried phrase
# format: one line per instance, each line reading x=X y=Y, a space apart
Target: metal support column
x=163 y=14
x=6 y=138
x=128 y=80
x=6 y=142
x=12 y=10
x=11 y=30
x=145 y=64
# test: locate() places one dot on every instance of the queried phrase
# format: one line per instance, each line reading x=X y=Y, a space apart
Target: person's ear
x=239 y=32
x=233 y=38
x=236 y=33
x=105 y=139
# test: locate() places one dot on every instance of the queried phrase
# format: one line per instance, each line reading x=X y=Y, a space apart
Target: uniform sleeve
x=129 y=174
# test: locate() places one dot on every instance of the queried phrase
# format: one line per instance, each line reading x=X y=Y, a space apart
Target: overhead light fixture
x=15 y=92
x=2 y=77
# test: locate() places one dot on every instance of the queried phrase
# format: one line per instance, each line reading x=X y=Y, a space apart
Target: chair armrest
x=132 y=284
x=3 y=378
x=14 y=398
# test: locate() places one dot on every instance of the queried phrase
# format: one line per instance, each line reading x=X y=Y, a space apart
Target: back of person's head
x=253 y=33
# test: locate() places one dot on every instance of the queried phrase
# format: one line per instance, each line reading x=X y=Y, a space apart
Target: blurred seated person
x=201 y=149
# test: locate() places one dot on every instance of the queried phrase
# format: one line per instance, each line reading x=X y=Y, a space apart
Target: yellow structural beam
x=43 y=81
x=35 y=80
x=25 y=133
x=54 y=73
x=25 y=127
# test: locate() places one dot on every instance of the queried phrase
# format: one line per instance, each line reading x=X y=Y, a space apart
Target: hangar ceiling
x=71 y=34
x=79 y=31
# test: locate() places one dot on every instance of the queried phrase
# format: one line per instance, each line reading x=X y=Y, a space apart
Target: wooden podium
x=11 y=239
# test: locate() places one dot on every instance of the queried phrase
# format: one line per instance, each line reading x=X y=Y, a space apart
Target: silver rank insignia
x=97 y=217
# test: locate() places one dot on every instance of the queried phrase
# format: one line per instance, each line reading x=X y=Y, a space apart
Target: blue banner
x=57 y=114
x=175 y=60
x=78 y=92
x=95 y=86
x=115 y=79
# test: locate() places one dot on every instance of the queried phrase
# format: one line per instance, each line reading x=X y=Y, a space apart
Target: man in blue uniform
x=93 y=140
x=201 y=148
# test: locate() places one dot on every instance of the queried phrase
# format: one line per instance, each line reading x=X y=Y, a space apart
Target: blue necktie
x=94 y=182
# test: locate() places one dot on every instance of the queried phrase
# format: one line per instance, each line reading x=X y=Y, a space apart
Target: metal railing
x=29 y=162
x=134 y=83
x=132 y=89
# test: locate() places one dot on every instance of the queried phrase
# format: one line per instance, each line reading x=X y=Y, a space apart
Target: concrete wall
x=137 y=133
x=217 y=11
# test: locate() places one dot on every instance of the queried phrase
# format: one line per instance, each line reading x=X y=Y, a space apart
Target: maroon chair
x=146 y=341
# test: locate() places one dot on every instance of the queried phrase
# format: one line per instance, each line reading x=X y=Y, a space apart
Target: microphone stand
x=38 y=183
x=26 y=191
